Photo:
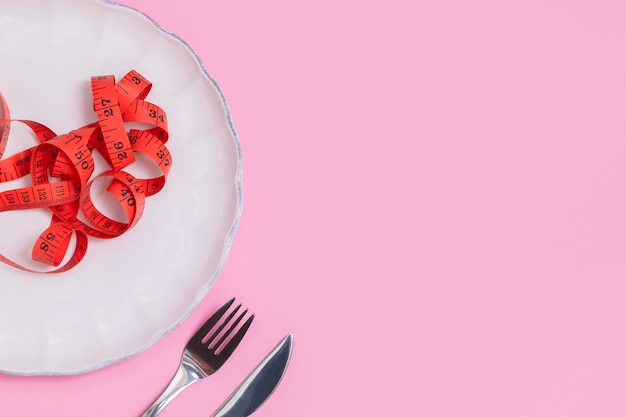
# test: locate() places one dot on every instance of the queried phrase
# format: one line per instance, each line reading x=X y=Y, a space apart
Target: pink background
x=434 y=205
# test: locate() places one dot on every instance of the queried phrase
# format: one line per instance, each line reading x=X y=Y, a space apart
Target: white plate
x=129 y=291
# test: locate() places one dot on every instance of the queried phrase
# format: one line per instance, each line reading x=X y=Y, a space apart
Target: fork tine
x=221 y=327
x=212 y=321
x=234 y=342
x=230 y=329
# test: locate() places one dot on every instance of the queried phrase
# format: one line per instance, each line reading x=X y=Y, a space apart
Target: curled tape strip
x=61 y=169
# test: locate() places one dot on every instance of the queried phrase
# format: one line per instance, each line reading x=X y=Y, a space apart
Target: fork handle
x=186 y=374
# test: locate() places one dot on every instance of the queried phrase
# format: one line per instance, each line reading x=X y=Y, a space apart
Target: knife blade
x=260 y=384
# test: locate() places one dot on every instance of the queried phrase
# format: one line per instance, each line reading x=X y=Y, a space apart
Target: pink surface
x=434 y=206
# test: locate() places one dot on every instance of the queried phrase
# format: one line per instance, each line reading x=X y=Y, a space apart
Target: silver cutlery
x=204 y=353
x=260 y=384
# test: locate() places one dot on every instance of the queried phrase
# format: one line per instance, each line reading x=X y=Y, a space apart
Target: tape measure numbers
x=61 y=169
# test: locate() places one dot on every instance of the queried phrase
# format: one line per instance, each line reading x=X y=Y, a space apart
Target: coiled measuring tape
x=61 y=169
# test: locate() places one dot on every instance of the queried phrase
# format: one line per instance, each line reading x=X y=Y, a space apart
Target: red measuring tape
x=61 y=169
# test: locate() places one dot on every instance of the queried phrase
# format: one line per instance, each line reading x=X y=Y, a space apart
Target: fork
x=203 y=355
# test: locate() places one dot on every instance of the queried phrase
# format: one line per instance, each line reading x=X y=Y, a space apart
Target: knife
x=260 y=384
